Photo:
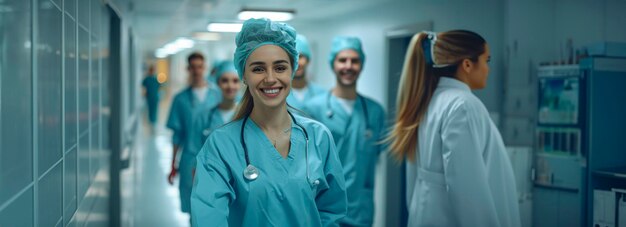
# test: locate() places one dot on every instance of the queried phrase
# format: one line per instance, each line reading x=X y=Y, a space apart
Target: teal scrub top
x=358 y=152
x=152 y=85
x=185 y=107
x=184 y=110
x=281 y=195
x=313 y=90
x=208 y=120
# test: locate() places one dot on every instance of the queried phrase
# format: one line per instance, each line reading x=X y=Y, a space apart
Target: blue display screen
x=559 y=100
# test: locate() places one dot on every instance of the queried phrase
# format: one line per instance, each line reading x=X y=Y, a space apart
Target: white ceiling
x=157 y=22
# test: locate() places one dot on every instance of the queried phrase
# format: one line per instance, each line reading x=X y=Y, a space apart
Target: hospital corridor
x=381 y=113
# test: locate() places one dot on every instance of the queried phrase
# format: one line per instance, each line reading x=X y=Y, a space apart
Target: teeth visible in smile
x=271 y=91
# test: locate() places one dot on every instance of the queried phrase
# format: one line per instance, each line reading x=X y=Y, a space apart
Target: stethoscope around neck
x=330 y=113
x=252 y=173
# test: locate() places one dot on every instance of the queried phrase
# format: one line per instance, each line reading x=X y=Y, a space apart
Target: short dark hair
x=193 y=56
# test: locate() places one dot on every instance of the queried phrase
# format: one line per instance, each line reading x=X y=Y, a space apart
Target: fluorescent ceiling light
x=183 y=43
x=161 y=53
x=174 y=47
x=224 y=27
x=170 y=48
x=274 y=15
x=207 y=36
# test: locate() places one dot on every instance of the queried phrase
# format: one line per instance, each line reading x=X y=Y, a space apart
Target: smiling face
x=347 y=67
x=229 y=84
x=268 y=76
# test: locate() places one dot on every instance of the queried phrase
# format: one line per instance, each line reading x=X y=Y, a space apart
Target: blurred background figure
x=228 y=82
x=302 y=89
x=215 y=66
x=458 y=170
x=198 y=96
x=356 y=123
x=151 y=88
x=211 y=118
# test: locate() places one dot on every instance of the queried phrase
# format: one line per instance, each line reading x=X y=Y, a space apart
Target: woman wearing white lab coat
x=458 y=172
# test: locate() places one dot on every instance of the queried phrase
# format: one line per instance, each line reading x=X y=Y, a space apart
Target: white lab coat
x=464 y=177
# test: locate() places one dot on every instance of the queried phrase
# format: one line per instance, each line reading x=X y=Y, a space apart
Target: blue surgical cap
x=215 y=66
x=341 y=43
x=302 y=44
x=223 y=68
x=259 y=32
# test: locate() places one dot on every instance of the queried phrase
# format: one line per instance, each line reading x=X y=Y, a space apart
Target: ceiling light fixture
x=274 y=15
x=207 y=36
x=174 y=47
x=224 y=27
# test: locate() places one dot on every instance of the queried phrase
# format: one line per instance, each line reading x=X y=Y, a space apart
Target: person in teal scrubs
x=151 y=90
x=357 y=125
x=215 y=65
x=209 y=119
x=185 y=106
x=268 y=167
x=302 y=90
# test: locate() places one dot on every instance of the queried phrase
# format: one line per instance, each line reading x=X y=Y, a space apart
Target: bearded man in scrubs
x=357 y=125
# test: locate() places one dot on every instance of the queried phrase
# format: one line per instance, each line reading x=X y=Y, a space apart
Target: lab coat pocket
x=433 y=200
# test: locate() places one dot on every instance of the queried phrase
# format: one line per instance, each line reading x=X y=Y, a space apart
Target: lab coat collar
x=452 y=83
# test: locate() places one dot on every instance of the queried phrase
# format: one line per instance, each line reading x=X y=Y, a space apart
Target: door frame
x=394 y=202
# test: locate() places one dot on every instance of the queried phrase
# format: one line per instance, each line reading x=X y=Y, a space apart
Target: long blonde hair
x=245 y=105
x=419 y=81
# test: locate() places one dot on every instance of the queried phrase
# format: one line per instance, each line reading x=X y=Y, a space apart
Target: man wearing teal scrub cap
x=301 y=89
x=268 y=167
x=357 y=125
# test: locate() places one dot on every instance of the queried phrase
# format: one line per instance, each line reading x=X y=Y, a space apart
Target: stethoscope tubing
x=363 y=105
x=306 y=149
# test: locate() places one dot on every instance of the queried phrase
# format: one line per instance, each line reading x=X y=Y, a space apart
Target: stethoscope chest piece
x=329 y=114
x=251 y=172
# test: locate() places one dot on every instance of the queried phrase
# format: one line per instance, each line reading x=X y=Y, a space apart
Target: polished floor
x=149 y=200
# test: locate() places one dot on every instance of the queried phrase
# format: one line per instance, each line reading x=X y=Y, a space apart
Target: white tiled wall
x=51 y=85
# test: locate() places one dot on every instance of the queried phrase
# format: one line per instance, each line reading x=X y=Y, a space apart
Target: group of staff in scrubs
x=289 y=153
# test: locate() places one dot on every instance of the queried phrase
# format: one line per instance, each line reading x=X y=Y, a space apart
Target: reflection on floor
x=150 y=200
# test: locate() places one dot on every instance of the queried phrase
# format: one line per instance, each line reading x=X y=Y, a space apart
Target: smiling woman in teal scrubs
x=268 y=167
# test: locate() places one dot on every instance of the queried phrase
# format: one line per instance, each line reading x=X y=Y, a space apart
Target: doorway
x=398 y=39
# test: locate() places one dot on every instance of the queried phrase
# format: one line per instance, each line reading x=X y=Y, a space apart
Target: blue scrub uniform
x=357 y=151
x=185 y=108
x=313 y=90
x=281 y=195
x=151 y=84
x=206 y=121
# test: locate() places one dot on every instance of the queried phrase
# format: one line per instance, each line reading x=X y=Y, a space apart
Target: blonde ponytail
x=419 y=81
x=417 y=86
